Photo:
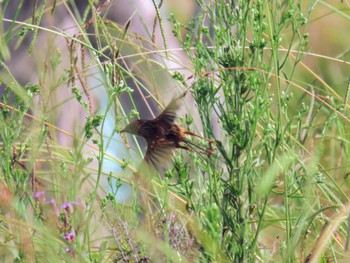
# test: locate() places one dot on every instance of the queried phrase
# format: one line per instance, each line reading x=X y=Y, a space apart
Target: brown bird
x=163 y=135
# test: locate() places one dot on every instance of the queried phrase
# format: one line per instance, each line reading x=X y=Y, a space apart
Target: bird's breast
x=151 y=131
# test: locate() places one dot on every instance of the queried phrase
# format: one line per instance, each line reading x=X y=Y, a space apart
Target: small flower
x=68 y=250
x=66 y=206
x=70 y=236
x=40 y=196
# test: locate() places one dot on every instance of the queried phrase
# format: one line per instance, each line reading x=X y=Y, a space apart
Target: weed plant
x=276 y=186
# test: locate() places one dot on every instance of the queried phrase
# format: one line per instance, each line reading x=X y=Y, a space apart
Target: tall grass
x=276 y=186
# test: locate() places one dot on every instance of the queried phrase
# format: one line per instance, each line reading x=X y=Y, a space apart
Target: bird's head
x=133 y=127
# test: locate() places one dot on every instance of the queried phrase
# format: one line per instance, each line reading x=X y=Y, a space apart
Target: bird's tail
x=198 y=149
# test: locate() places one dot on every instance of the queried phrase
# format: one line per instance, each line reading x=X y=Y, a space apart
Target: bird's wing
x=168 y=116
x=159 y=153
x=160 y=150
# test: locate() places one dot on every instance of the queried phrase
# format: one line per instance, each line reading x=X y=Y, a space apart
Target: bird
x=163 y=136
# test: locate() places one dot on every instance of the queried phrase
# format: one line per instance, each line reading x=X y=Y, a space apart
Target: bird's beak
x=130 y=128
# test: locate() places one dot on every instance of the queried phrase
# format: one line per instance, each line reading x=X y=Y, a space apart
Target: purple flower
x=66 y=206
x=40 y=196
x=68 y=249
x=70 y=236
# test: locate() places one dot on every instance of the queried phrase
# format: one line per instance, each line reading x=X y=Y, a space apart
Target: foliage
x=274 y=188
